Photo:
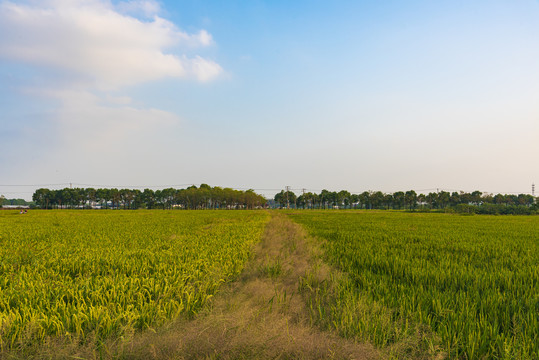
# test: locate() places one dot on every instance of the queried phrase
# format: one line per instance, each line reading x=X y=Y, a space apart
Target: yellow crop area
x=75 y=273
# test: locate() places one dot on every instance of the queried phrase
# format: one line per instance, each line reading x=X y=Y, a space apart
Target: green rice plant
x=272 y=268
x=473 y=281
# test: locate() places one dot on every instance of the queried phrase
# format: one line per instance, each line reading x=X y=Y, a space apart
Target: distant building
x=15 y=207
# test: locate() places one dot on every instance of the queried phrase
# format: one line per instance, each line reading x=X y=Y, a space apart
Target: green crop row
x=473 y=281
x=75 y=273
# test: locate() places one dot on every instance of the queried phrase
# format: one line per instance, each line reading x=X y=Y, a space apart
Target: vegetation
x=473 y=281
x=80 y=274
x=415 y=284
x=475 y=202
x=203 y=197
x=15 y=202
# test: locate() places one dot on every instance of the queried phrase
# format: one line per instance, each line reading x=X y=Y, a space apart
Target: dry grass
x=261 y=315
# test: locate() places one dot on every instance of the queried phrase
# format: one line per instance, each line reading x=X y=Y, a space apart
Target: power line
x=35 y=185
x=251 y=189
x=17 y=192
x=133 y=186
x=289 y=188
x=170 y=186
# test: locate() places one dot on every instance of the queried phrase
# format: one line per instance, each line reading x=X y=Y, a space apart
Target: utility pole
x=533 y=190
x=287 y=202
x=71 y=185
x=304 y=201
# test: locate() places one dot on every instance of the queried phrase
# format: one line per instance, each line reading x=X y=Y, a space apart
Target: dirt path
x=259 y=316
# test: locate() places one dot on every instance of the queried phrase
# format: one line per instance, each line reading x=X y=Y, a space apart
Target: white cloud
x=96 y=49
x=203 y=69
x=88 y=123
x=92 y=131
x=118 y=100
x=100 y=43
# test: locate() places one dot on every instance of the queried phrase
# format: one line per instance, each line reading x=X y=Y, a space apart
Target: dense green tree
x=377 y=199
x=365 y=200
x=410 y=198
x=476 y=197
x=343 y=198
x=454 y=199
x=42 y=198
x=443 y=199
x=354 y=199
x=148 y=198
x=398 y=199
x=285 y=199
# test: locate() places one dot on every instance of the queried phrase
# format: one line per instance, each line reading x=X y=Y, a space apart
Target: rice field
x=463 y=287
x=473 y=281
x=104 y=273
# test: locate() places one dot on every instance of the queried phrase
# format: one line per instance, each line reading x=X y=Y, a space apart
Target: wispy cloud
x=89 y=52
x=101 y=43
x=90 y=123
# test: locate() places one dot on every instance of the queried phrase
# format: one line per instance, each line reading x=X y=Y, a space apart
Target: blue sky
x=353 y=95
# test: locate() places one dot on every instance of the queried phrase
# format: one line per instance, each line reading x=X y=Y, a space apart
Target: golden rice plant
x=74 y=273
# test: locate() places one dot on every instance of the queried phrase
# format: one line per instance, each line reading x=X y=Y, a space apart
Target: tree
x=168 y=196
x=487 y=198
x=365 y=200
x=285 y=198
x=115 y=196
x=525 y=199
x=410 y=197
x=465 y=198
x=443 y=199
x=229 y=198
x=91 y=195
x=343 y=198
x=325 y=198
x=354 y=199
x=377 y=199
x=388 y=201
x=432 y=199
x=454 y=200
x=103 y=196
x=127 y=196
x=315 y=200
x=217 y=195
x=301 y=201
x=422 y=199
x=308 y=200
x=42 y=198
x=476 y=197
x=148 y=197
x=137 y=199
x=58 y=198
x=205 y=195
x=398 y=199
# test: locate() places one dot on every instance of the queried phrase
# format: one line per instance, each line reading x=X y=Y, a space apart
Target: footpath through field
x=261 y=315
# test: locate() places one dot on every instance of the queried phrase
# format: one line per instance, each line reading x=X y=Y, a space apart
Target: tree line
x=475 y=201
x=207 y=197
x=14 y=202
x=202 y=197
